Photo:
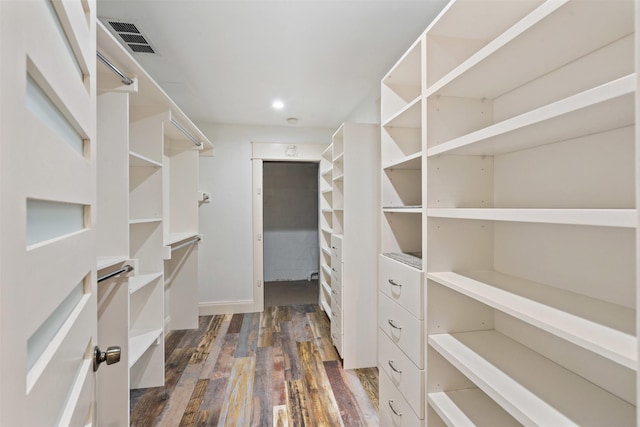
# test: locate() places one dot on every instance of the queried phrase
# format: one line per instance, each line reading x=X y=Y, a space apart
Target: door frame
x=271 y=151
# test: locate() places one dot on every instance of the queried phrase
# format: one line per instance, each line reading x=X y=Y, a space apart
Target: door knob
x=111 y=356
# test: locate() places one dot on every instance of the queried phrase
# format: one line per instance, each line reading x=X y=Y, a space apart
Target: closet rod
x=186 y=133
x=190 y=242
x=124 y=79
x=125 y=269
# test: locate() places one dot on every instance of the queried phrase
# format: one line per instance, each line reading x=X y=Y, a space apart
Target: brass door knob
x=111 y=356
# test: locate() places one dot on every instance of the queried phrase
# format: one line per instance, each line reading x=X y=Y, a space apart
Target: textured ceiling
x=226 y=61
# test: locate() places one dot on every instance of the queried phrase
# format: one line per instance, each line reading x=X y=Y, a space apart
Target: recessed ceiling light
x=278 y=105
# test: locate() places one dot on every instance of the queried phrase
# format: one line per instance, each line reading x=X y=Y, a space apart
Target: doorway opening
x=290 y=229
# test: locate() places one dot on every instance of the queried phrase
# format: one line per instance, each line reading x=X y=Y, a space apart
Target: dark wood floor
x=276 y=368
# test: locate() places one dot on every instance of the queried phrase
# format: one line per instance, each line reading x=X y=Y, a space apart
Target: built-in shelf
x=327 y=210
x=173 y=238
x=326 y=250
x=408 y=117
x=476 y=77
x=412 y=161
x=327 y=191
x=326 y=287
x=144 y=220
x=326 y=230
x=327 y=308
x=339 y=177
x=140 y=281
x=530 y=387
x=601 y=327
x=110 y=261
x=625 y=218
x=404 y=209
x=603 y=108
x=339 y=157
x=140 y=341
x=326 y=269
x=469 y=407
x=327 y=172
x=136 y=159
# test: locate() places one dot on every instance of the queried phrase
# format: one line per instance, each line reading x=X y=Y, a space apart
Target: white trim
x=261 y=151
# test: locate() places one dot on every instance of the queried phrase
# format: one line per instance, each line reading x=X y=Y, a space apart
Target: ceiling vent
x=131 y=36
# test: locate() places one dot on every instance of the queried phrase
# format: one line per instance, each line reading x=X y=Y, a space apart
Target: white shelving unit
x=521 y=193
x=346 y=276
x=147 y=213
x=325 y=221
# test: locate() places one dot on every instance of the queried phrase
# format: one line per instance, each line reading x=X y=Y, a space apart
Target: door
x=47 y=212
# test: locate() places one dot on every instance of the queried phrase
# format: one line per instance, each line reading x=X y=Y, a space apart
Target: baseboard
x=227 y=307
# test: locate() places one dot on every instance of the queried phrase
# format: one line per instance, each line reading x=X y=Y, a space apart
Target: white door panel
x=48 y=302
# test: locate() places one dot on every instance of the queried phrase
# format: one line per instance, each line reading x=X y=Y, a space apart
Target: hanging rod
x=124 y=79
x=125 y=269
x=186 y=133
x=190 y=242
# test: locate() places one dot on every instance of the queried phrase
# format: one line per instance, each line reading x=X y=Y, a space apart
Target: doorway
x=290 y=230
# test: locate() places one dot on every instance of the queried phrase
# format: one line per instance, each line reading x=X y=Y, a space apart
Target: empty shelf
x=530 y=387
x=138 y=282
x=109 y=261
x=136 y=159
x=409 y=117
x=604 y=328
x=140 y=341
x=412 y=161
x=469 y=407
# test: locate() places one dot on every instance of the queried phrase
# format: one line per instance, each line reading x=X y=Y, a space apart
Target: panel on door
x=47 y=213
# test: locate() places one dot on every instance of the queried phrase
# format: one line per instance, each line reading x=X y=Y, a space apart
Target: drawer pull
x=393 y=324
x=334 y=270
x=333 y=247
x=394 y=409
x=393 y=366
x=394 y=283
x=333 y=292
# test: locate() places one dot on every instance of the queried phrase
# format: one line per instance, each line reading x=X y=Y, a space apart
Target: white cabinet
x=529 y=217
x=147 y=217
x=349 y=206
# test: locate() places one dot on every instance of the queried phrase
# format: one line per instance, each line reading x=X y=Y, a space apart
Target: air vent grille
x=132 y=36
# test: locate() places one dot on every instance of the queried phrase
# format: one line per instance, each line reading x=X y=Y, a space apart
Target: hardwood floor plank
x=321 y=333
x=236 y=323
x=179 y=398
x=290 y=351
x=192 y=409
x=193 y=336
x=214 y=352
x=248 y=340
x=280 y=416
x=369 y=412
x=204 y=346
x=284 y=314
x=298 y=404
x=151 y=404
x=269 y=324
x=347 y=403
x=237 y=407
x=300 y=323
x=369 y=379
x=322 y=403
x=278 y=385
x=262 y=389
x=171 y=341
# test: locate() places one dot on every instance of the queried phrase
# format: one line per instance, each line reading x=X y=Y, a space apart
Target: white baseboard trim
x=227 y=307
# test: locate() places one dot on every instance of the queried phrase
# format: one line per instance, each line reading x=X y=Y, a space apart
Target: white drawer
x=336 y=274
x=403 y=284
x=405 y=376
x=390 y=397
x=336 y=246
x=336 y=326
x=336 y=292
x=404 y=330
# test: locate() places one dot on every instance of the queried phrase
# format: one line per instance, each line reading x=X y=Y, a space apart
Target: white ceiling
x=226 y=61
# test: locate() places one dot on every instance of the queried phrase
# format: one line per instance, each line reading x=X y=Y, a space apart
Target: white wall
x=226 y=252
x=368 y=110
x=291 y=248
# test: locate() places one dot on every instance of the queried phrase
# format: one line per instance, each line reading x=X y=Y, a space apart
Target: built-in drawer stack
x=337 y=332
x=400 y=342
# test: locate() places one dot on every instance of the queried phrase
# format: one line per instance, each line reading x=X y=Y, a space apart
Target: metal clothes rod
x=125 y=269
x=190 y=242
x=124 y=79
x=186 y=133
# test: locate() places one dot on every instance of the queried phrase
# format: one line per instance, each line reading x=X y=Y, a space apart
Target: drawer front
x=404 y=375
x=403 y=284
x=336 y=274
x=336 y=292
x=336 y=265
x=402 y=328
x=392 y=400
x=336 y=325
x=336 y=246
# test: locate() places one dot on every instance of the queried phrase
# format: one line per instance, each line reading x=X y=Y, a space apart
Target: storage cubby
x=402 y=86
x=325 y=224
